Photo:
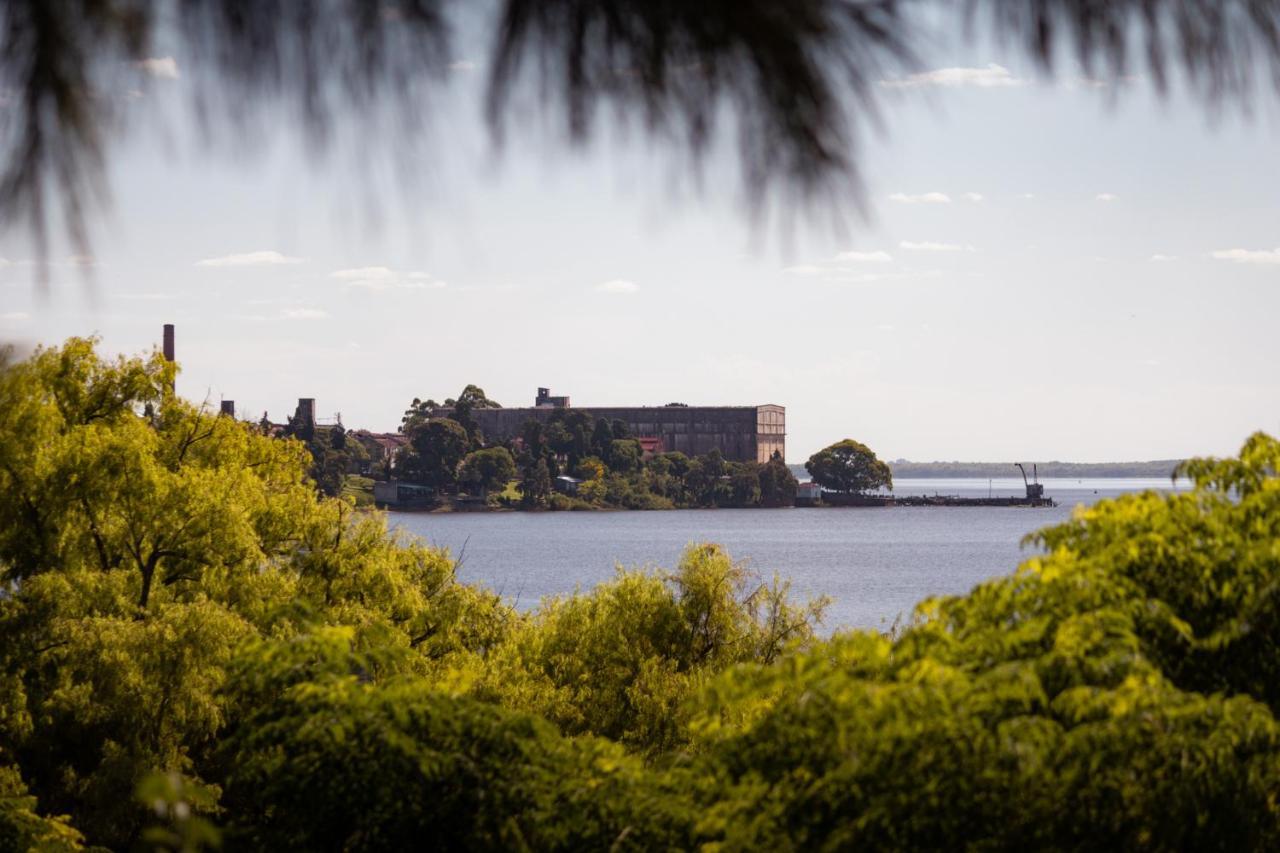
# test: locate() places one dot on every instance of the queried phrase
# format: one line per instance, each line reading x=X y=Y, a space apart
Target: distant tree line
x=1160 y=468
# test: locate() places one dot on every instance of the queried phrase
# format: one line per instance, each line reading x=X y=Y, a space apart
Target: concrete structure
x=740 y=433
x=544 y=398
x=394 y=494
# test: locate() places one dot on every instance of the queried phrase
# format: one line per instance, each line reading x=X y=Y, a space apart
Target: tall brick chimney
x=169 y=353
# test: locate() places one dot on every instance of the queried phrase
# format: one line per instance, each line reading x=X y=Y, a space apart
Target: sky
x=1046 y=270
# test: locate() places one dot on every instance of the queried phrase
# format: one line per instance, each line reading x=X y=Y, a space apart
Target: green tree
x=624 y=455
x=777 y=484
x=535 y=483
x=601 y=438
x=438 y=445
x=490 y=468
x=849 y=467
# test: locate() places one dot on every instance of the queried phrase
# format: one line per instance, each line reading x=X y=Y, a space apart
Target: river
x=874 y=563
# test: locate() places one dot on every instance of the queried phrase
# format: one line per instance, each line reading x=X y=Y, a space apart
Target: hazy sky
x=1045 y=274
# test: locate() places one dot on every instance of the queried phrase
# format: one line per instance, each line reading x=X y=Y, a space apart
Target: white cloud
x=305 y=314
x=385 y=278
x=15 y=316
x=805 y=269
x=617 y=285
x=1248 y=256
x=974 y=196
x=164 y=67
x=1162 y=259
x=1106 y=197
x=864 y=257
x=1028 y=195
x=921 y=198
x=989 y=77
x=249 y=259
x=928 y=246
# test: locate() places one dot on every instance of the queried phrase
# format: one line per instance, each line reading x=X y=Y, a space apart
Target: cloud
x=928 y=246
x=617 y=285
x=164 y=67
x=975 y=197
x=15 y=316
x=1163 y=259
x=991 y=76
x=249 y=259
x=462 y=66
x=305 y=314
x=1106 y=197
x=1027 y=195
x=864 y=257
x=921 y=198
x=385 y=278
x=1248 y=256
x=805 y=269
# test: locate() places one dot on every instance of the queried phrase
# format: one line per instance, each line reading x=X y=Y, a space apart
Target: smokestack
x=168 y=353
x=229 y=408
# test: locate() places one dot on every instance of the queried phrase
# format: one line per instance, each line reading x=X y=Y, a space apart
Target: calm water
x=875 y=563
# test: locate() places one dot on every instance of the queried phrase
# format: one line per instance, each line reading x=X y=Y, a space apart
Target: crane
x=1035 y=490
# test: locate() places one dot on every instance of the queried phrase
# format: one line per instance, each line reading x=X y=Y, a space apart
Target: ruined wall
x=741 y=433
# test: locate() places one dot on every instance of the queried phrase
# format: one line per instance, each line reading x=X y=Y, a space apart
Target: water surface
x=875 y=563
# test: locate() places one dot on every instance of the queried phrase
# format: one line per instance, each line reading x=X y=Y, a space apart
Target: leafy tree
x=471 y=398
x=744 y=486
x=849 y=466
x=777 y=484
x=535 y=483
x=418 y=413
x=601 y=439
x=486 y=469
x=438 y=445
x=623 y=660
x=138 y=553
x=624 y=455
x=799 y=80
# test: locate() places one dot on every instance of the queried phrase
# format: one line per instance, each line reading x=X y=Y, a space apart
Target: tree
x=438 y=444
x=849 y=467
x=624 y=455
x=486 y=469
x=535 y=483
x=777 y=484
x=601 y=438
x=797 y=79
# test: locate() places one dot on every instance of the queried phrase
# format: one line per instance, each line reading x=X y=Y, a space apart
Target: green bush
x=181 y=615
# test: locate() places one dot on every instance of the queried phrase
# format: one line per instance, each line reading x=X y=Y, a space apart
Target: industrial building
x=740 y=433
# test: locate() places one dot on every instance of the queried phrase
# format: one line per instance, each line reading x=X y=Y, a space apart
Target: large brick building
x=740 y=433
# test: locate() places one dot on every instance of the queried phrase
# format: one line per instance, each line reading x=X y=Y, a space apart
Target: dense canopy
x=184 y=616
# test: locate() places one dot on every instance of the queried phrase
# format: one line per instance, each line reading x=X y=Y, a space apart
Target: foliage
x=849 y=466
x=486 y=469
x=621 y=661
x=436 y=447
x=183 y=616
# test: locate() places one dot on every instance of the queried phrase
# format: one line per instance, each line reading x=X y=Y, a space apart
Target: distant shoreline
x=1157 y=469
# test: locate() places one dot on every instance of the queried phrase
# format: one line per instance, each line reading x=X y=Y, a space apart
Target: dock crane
x=1035 y=490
